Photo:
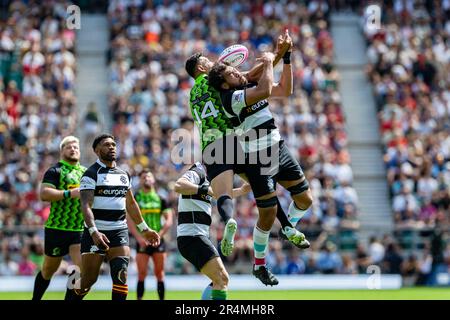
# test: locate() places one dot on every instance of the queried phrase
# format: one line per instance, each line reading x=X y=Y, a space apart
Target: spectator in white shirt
x=405 y=201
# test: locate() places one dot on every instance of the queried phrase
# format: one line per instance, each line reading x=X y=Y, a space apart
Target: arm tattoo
x=87 y=197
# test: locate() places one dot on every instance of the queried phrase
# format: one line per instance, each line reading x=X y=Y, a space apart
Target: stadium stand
x=409 y=68
x=149 y=43
x=37 y=108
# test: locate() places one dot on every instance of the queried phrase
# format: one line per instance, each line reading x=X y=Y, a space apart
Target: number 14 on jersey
x=208 y=111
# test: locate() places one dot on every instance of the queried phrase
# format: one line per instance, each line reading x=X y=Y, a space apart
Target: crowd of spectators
x=409 y=67
x=37 y=108
x=384 y=253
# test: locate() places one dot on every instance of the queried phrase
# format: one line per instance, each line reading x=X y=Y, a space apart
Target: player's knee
x=119 y=269
x=224 y=278
x=301 y=194
x=299 y=188
x=267 y=203
x=48 y=270
x=304 y=200
x=308 y=199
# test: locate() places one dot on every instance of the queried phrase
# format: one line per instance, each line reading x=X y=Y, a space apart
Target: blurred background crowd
x=148 y=99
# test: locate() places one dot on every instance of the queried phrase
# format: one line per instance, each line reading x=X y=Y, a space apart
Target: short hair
x=144 y=171
x=67 y=140
x=215 y=75
x=99 y=139
x=191 y=63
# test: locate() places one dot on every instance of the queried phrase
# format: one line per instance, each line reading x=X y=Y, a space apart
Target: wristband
x=66 y=194
x=287 y=57
x=92 y=230
x=203 y=189
x=142 y=226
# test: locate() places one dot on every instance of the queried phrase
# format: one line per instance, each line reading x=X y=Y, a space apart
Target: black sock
x=140 y=289
x=40 y=285
x=72 y=296
x=119 y=292
x=161 y=290
x=225 y=207
x=282 y=217
x=75 y=295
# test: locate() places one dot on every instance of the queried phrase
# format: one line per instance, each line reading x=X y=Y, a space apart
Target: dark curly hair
x=101 y=137
x=215 y=75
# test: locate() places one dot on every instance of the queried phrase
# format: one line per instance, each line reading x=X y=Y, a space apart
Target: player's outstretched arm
x=254 y=74
x=264 y=88
x=285 y=87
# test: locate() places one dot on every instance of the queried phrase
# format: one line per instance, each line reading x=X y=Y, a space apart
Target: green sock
x=219 y=294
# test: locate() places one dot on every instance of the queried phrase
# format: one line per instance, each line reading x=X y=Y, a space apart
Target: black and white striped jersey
x=110 y=187
x=194 y=211
x=254 y=121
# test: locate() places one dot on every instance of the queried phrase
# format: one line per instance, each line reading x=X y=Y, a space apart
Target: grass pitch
x=401 y=294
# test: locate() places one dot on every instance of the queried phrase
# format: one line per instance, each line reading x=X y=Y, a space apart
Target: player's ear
x=225 y=86
x=201 y=68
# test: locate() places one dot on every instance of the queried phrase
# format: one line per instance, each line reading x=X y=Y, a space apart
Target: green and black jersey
x=152 y=207
x=208 y=112
x=65 y=214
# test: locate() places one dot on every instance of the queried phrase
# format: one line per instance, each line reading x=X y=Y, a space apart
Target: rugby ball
x=234 y=55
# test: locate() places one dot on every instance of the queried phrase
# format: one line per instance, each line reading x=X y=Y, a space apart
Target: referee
x=106 y=197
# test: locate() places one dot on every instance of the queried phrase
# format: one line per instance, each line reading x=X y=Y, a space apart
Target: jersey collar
x=68 y=164
x=200 y=77
x=152 y=191
x=102 y=164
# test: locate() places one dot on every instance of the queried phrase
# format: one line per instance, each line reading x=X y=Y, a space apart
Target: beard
x=108 y=157
x=243 y=82
x=74 y=158
x=148 y=185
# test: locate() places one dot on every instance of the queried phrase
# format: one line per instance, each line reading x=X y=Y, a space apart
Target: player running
x=106 y=197
x=194 y=219
x=153 y=208
x=64 y=226
x=216 y=134
x=247 y=107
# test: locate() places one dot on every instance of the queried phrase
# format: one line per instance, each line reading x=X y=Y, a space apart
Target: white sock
x=295 y=214
x=260 y=245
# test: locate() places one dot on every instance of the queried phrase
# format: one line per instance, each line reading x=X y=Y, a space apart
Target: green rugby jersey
x=207 y=111
x=65 y=214
x=152 y=207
